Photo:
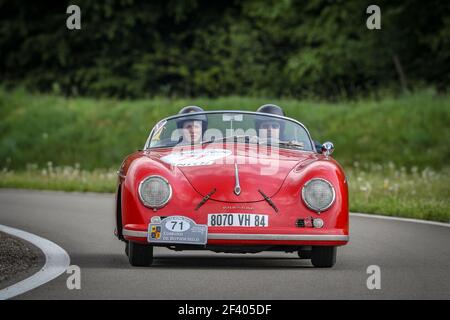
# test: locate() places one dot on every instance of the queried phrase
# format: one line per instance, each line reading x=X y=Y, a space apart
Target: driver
x=270 y=129
x=192 y=126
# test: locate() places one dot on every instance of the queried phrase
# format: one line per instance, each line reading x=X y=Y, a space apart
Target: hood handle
x=237 y=186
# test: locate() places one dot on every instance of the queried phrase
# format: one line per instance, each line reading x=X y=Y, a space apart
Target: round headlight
x=318 y=194
x=155 y=191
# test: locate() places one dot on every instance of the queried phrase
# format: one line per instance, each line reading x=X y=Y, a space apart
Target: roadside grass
x=381 y=189
x=64 y=178
x=409 y=130
x=401 y=192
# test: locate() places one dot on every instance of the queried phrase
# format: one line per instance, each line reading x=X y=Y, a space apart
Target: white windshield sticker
x=195 y=157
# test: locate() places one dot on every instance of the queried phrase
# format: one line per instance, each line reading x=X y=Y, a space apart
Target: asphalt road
x=414 y=259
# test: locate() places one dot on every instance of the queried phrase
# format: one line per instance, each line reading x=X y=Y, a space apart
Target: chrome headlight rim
x=145 y=203
x=333 y=198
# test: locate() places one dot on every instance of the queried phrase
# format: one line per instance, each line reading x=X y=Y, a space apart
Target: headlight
x=155 y=192
x=318 y=194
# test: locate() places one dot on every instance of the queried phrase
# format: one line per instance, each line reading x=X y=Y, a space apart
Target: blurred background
x=74 y=103
x=139 y=49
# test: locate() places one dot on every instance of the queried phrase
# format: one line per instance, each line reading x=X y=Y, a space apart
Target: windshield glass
x=251 y=128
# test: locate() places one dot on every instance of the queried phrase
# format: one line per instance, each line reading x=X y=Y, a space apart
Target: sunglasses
x=272 y=125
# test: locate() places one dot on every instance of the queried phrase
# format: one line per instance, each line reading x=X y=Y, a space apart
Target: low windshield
x=234 y=127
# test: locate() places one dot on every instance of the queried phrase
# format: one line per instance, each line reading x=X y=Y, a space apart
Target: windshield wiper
x=205 y=198
x=269 y=201
x=293 y=143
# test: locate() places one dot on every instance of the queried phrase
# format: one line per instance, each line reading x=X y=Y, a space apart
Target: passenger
x=270 y=129
x=192 y=126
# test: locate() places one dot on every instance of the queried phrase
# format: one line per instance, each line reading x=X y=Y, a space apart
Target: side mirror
x=327 y=148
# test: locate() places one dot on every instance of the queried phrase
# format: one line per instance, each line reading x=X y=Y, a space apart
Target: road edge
x=376 y=216
x=56 y=262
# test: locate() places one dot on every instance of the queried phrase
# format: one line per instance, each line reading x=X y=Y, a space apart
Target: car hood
x=258 y=169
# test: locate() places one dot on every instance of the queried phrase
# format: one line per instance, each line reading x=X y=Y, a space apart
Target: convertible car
x=234 y=182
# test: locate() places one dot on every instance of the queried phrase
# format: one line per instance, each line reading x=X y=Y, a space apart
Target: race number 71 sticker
x=195 y=157
x=177 y=230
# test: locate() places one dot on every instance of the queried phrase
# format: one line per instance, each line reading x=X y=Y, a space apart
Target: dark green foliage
x=133 y=49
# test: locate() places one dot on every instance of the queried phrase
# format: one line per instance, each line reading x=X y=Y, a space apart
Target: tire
x=118 y=229
x=127 y=248
x=323 y=257
x=140 y=255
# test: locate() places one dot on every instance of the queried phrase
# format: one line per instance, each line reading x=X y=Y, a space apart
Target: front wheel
x=323 y=257
x=140 y=255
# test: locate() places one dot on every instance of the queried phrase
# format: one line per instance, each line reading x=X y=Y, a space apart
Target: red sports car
x=232 y=181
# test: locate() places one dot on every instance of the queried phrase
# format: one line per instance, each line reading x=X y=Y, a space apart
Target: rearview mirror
x=232 y=117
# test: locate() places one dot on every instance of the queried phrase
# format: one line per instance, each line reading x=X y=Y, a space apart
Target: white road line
x=56 y=262
x=375 y=216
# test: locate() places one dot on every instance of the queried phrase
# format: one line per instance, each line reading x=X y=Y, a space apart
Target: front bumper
x=292 y=237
